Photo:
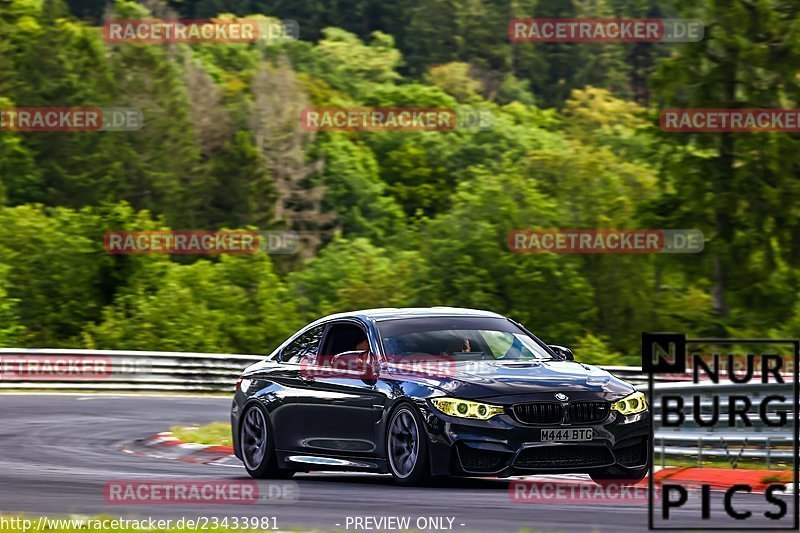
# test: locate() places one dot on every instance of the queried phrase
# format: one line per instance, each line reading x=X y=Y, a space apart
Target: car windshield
x=458 y=338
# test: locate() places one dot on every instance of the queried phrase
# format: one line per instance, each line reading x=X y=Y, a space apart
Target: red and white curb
x=165 y=446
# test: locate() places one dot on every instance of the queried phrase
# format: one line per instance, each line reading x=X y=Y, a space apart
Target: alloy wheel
x=403 y=443
x=254 y=438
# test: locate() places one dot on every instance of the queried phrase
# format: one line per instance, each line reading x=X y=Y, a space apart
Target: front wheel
x=258 y=449
x=407 y=447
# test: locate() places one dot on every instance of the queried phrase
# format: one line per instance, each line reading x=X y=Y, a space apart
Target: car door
x=343 y=412
x=291 y=394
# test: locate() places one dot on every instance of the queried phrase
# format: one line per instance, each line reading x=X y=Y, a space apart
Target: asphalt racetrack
x=60 y=450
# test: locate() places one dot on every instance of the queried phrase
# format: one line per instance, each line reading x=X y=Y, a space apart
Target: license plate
x=567 y=435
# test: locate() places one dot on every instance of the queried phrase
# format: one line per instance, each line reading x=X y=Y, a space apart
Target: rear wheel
x=258 y=449
x=407 y=447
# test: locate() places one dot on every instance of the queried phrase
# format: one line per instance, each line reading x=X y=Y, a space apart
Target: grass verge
x=216 y=433
x=722 y=463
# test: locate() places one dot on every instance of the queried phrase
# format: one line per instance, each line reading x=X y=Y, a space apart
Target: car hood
x=485 y=379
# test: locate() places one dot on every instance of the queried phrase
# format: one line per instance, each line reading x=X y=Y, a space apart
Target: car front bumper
x=503 y=446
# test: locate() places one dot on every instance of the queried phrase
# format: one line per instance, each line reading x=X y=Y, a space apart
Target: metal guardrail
x=769 y=449
x=149 y=371
x=163 y=371
x=128 y=371
x=759 y=441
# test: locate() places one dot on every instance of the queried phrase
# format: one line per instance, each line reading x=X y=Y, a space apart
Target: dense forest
x=396 y=218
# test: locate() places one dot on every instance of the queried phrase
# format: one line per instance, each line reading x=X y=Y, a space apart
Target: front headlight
x=631 y=404
x=466 y=408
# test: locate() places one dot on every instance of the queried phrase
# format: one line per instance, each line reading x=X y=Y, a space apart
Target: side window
x=305 y=345
x=342 y=337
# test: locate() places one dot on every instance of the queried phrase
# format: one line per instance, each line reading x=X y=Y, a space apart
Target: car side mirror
x=563 y=351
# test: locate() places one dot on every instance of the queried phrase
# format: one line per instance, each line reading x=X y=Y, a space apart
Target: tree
x=20 y=178
x=596 y=351
x=354 y=189
x=358 y=65
x=454 y=78
x=351 y=275
x=244 y=192
x=739 y=188
x=53 y=271
x=207 y=113
x=283 y=142
x=11 y=331
x=468 y=261
x=235 y=305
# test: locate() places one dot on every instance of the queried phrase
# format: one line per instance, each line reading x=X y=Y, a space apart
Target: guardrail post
x=699 y=452
x=769 y=462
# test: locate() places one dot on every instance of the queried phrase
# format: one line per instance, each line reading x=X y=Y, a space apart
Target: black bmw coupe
x=435 y=392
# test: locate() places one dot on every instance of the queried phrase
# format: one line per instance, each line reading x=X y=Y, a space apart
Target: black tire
x=407 y=447
x=617 y=479
x=258 y=446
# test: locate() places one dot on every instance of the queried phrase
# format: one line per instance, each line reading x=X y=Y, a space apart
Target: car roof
x=394 y=313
